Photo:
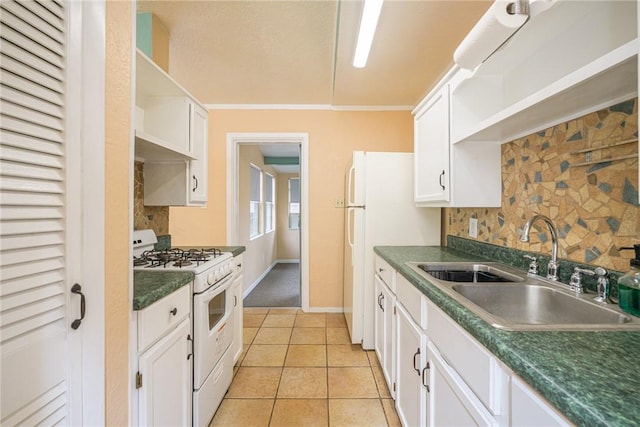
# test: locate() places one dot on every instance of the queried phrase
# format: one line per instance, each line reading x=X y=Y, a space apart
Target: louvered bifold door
x=33 y=325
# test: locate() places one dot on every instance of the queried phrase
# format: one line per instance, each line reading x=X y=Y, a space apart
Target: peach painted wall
x=288 y=240
x=333 y=136
x=117 y=216
x=261 y=251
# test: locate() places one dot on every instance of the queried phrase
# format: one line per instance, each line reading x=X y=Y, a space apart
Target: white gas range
x=212 y=309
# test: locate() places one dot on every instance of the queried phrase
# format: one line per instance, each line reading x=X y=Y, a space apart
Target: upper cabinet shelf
x=577 y=57
x=149 y=147
x=162 y=114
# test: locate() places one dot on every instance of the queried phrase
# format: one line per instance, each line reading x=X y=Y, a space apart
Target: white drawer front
x=475 y=365
x=386 y=273
x=155 y=320
x=412 y=299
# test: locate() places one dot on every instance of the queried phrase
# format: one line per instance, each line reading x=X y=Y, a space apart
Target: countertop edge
x=152 y=286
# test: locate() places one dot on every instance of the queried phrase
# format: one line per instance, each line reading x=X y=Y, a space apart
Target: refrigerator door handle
x=352 y=170
x=349 y=212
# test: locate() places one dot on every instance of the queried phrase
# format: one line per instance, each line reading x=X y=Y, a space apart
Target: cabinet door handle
x=195 y=179
x=191 y=341
x=425 y=378
x=380 y=269
x=417 y=353
x=440 y=180
x=235 y=301
x=382 y=301
x=77 y=289
x=174 y=311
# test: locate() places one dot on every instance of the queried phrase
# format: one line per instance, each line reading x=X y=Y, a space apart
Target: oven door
x=212 y=328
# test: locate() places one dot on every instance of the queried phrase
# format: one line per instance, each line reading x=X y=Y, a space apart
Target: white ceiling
x=300 y=51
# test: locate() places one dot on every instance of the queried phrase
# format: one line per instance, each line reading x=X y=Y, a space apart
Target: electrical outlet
x=473 y=227
x=339 y=203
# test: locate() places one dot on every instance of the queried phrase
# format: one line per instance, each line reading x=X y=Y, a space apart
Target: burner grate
x=175 y=257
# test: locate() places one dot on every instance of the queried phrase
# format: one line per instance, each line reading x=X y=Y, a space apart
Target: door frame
x=85 y=208
x=234 y=141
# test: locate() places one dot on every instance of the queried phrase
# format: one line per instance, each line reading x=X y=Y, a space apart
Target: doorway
x=255 y=165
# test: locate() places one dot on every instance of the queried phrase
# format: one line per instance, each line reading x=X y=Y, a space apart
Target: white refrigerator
x=379 y=211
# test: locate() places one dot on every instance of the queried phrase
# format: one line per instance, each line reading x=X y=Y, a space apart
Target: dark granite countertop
x=235 y=250
x=590 y=377
x=151 y=286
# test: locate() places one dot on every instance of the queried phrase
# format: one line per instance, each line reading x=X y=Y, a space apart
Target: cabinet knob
x=174 y=311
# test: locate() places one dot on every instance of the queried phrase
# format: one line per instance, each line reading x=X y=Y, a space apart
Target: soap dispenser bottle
x=629 y=285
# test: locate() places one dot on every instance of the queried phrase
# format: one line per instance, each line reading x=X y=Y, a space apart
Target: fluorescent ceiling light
x=368 y=24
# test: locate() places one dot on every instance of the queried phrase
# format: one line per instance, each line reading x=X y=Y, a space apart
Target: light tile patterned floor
x=300 y=369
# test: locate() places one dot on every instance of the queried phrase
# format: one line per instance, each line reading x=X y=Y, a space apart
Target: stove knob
x=211 y=278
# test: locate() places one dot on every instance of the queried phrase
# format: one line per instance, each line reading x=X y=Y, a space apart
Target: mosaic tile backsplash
x=595 y=206
x=154 y=217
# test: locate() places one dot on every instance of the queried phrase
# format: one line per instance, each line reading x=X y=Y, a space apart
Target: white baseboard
x=326 y=310
x=288 y=261
x=255 y=283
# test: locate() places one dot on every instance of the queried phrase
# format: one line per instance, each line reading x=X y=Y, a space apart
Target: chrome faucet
x=552 y=268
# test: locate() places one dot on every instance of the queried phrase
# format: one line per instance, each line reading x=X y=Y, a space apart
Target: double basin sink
x=512 y=300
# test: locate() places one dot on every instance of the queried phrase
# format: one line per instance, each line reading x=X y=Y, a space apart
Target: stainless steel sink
x=519 y=302
x=468 y=272
x=538 y=305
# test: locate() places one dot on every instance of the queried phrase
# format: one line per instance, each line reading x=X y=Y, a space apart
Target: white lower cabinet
x=442 y=375
x=236 y=287
x=385 y=334
x=164 y=377
x=411 y=393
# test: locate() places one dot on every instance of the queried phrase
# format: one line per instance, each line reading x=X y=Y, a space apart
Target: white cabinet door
x=431 y=149
x=385 y=336
x=379 y=343
x=236 y=345
x=166 y=390
x=410 y=360
x=450 y=401
x=198 y=146
x=529 y=409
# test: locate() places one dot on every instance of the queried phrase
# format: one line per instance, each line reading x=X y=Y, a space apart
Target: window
x=294 y=203
x=255 y=200
x=269 y=205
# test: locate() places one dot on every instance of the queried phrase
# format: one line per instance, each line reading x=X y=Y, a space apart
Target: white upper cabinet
x=198 y=146
x=575 y=58
x=171 y=131
x=446 y=175
x=431 y=148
